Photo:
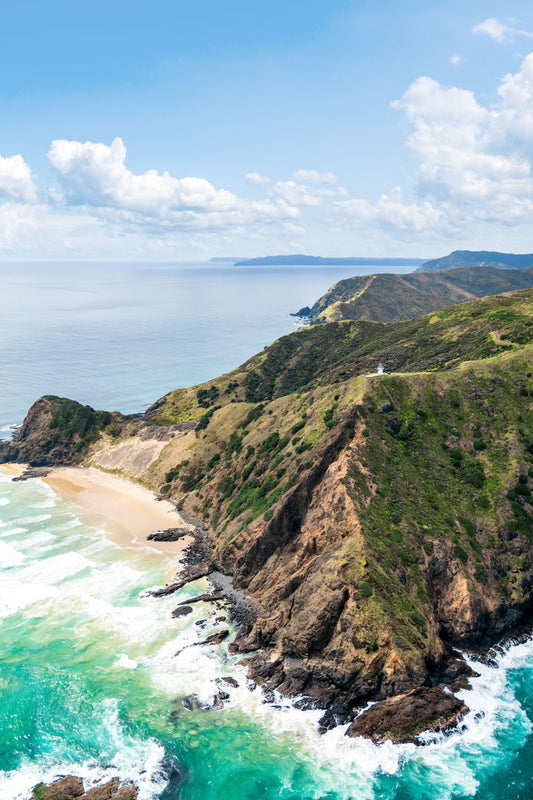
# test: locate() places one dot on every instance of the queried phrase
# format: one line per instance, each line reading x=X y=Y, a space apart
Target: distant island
x=475 y=258
x=301 y=260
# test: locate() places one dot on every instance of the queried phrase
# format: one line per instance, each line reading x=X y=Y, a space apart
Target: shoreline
x=128 y=511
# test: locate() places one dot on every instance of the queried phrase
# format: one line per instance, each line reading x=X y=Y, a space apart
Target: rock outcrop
x=71 y=788
x=405 y=717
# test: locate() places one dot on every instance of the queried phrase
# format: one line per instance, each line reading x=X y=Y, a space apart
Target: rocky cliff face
x=377 y=523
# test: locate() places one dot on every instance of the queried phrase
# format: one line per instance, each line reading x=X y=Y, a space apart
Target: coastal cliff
x=376 y=522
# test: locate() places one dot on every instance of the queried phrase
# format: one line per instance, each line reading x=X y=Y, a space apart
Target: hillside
x=472 y=258
x=375 y=522
x=300 y=259
x=389 y=298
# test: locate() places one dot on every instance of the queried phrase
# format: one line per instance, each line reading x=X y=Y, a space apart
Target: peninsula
x=377 y=524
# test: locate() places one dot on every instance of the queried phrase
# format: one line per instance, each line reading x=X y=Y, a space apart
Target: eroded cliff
x=377 y=522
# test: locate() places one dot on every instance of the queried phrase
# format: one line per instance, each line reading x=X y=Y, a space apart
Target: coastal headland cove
x=358 y=531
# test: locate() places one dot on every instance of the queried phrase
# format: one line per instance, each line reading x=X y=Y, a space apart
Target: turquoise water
x=90 y=683
x=93 y=670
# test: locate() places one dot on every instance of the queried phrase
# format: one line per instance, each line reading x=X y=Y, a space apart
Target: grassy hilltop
x=389 y=298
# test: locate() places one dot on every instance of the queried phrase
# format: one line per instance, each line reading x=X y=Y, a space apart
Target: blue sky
x=342 y=128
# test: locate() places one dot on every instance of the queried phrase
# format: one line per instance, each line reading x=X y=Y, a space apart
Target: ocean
x=96 y=677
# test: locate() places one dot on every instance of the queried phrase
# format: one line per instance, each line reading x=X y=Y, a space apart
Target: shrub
x=253 y=414
x=204 y=420
x=206 y=397
x=234 y=445
x=270 y=443
x=460 y=553
x=364 y=589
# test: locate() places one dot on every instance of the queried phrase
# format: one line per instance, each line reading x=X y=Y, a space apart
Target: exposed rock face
x=70 y=787
x=404 y=718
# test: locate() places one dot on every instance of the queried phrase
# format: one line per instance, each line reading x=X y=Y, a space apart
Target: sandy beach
x=128 y=512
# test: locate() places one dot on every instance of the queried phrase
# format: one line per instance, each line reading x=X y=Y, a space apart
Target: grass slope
x=389 y=298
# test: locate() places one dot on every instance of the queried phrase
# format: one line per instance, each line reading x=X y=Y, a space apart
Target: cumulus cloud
x=95 y=174
x=312 y=176
x=474 y=161
x=471 y=154
x=256 y=179
x=498 y=31
x=393 y=211
x=16 y=182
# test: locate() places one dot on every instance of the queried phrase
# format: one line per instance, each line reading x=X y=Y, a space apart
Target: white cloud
x=456 y=59
x=256 y=179
x=16 y=182
x=474 y=164
x=498 y=31
x=312 y=176
x=468 y=153
x=393 y=211
x=296 y=194
x=95 y=175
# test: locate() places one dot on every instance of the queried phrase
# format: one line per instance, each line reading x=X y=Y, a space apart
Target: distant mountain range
x=299 y=260
x=390 y=298
x=473 y=258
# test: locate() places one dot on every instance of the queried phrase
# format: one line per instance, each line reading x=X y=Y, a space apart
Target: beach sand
x=127 y=511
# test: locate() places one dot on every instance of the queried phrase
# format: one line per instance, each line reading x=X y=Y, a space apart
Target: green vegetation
x=390 y=298
x=75 y=420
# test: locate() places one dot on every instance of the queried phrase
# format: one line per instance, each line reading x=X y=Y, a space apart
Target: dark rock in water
x=189 y=577
x=216 y=638
x=218 y=700
x=173 y=775
x=229 y=680
x=182 y=611
x=191 y=702
x=169 y=535
x=405 y=717
x=204 y=598
x=70 y=787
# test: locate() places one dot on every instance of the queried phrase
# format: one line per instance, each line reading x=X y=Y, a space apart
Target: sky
x=171 y=130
